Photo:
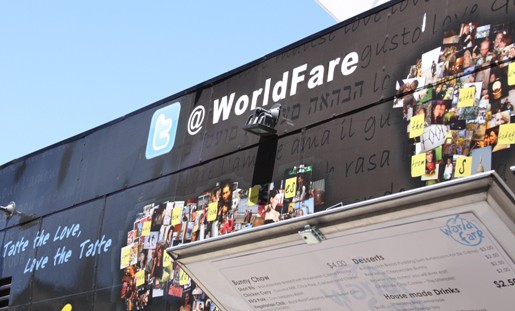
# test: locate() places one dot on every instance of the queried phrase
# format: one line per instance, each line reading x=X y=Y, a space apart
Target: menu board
x=443 y=263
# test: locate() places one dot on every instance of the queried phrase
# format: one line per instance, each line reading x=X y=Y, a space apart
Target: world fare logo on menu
x=163 y=127
x=463 y=231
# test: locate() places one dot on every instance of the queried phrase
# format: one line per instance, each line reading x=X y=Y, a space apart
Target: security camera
x=9 y=210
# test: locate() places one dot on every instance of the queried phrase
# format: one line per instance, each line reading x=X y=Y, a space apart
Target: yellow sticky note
x=140 y=277
x=506 y=134
x=511 y=74
x=253 y=195
x=290 y=187
x=463 y=167
x=466 y=97
x=167 y=259
x=146 y=228
x=125 y=257
x=176 y=215
x=418 y=165
x=212 y=211
x=184 y=278
x=416 y=126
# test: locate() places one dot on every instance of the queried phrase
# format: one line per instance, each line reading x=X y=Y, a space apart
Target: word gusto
x=87 y=248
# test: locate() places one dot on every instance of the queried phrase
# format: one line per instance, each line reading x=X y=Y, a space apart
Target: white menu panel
x=444 y=263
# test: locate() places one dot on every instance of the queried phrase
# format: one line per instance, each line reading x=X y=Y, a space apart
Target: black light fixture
x=262 y=122
x=9 y=210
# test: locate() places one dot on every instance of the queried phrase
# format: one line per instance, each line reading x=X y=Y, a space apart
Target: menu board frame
x=485 y=196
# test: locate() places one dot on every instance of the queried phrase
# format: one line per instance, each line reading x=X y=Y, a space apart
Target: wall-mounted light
x=9 y=210
x=262 y=122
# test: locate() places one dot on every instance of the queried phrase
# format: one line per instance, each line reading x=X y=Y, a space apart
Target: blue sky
x=68 y=66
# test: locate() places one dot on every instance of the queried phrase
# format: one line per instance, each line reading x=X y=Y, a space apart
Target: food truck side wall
x=344 y=115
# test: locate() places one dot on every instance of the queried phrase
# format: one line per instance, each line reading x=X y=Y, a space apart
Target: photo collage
x=149 y=273
x=458 y=101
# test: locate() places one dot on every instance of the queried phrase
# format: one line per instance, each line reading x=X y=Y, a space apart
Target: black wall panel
x=341 y=125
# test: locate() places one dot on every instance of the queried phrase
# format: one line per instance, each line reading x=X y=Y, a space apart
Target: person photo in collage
x=201 y=216
x=463 y=89
x=275 y=203
x=226 y=212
